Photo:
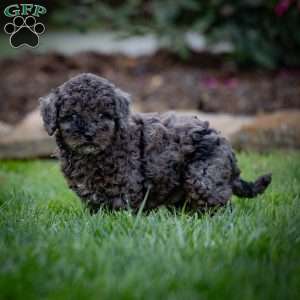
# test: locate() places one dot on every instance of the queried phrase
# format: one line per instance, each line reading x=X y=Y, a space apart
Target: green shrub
x=264 y=33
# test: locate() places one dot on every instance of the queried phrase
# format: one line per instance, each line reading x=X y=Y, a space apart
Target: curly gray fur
x=113 y=158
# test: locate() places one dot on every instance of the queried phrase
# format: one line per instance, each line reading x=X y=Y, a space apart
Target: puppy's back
x=168 y=141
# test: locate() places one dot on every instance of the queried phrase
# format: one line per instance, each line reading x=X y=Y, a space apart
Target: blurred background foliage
x=262 y=32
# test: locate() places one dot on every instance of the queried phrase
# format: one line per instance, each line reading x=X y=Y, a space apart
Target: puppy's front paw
x=118 y=203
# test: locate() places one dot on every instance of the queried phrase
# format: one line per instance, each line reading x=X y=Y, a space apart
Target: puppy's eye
x=67 y=119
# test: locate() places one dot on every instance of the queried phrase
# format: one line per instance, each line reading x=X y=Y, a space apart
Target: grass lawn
x=51 y=248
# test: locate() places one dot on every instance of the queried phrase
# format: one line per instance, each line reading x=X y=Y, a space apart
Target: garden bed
x=157 y=83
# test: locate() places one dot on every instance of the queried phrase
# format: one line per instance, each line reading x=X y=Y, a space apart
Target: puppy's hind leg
x=206 y=184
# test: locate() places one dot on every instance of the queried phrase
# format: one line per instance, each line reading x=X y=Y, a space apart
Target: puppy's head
x=87 y=112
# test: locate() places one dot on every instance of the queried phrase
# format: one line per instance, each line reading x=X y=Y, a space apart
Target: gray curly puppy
x=116 y=159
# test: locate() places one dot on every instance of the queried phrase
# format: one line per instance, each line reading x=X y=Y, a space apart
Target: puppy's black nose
x=89 y=135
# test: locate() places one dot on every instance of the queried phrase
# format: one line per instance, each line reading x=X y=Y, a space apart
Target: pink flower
x=230 y=83
x=210 y=82
x=282 y=7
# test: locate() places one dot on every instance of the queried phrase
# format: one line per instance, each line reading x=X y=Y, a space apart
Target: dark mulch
x=158 y=82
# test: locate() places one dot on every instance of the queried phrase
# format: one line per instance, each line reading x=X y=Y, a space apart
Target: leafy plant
x=261 y=32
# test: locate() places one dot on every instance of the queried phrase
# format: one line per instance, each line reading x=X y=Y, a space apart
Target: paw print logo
x=24 y=31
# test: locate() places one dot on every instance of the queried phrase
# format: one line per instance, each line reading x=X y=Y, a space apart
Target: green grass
x=51 y=248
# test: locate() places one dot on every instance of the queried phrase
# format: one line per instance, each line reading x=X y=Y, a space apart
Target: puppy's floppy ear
x=122 y=103
x=48 y=106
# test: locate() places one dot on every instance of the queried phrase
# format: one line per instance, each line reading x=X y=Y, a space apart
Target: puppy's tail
x=244 y=189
